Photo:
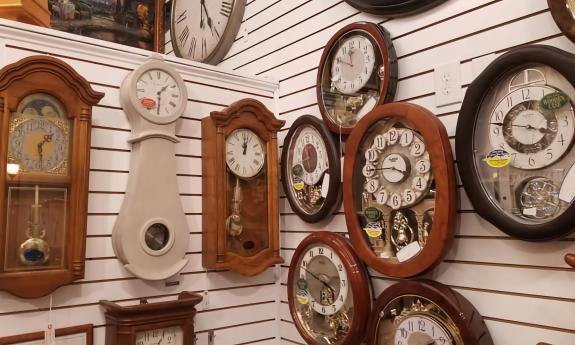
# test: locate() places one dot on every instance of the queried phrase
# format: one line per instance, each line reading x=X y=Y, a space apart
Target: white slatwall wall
x=240 y=309
x=524 y=290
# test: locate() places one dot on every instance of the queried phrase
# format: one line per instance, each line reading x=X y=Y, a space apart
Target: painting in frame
x=136 y=23
x=76 y=335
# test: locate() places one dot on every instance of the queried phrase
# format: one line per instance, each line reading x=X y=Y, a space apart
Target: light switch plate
x=447 y=84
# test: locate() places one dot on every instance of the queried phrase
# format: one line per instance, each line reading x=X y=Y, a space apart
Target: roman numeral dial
x=204 y=30
x=245 y=155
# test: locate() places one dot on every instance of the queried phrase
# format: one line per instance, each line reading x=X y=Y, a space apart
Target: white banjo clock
x=151 y=233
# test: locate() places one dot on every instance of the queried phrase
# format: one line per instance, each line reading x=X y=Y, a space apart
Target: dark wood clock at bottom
x=170 y=322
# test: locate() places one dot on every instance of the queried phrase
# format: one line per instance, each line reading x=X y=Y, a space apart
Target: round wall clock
x=425 y=312
x=311 y=170
x=357 y=71
x=514 y=143
x=204 y=30
x=563 y=12
x=394 y=8
x=328 y=291
x=399 y=189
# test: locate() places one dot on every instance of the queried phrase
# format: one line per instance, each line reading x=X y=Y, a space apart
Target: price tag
x=49 y=335
x=325 y=185
x=408 y=251
x=532 y=211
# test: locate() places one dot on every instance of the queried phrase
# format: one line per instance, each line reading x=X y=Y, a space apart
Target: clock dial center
x=395 y=168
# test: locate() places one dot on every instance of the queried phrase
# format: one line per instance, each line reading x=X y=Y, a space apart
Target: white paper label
x=532 y=211
x=408 y=251
x=567 y=192
x=325 y=186
x=50 y=335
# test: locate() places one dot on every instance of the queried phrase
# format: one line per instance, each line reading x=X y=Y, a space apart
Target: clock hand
x=201 y=16
x=321 y=281
x=203 y=3
x=540 y=129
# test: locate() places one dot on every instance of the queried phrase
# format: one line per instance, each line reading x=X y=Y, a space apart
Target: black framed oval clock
x=514 y=143
x=204 y=30
x=394 y=8
x=423 y=311
x=311 y=169
x=357 y=71
x=328 y=291
x=399 y=189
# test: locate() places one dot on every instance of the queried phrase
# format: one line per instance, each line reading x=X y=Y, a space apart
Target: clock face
x=245 y=153
x=357 y=71
x=523 y=134
x=158 y=92
x=169 y=336
x=39 y=136
x=411 y=319
x=323 y=291
x=203 y=29
x=310 y=159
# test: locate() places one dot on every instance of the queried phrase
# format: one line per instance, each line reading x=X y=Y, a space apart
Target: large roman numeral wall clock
x=515 y=143
x=394 y=8
x=45 y=114
x=151 y=233
x=399 y=189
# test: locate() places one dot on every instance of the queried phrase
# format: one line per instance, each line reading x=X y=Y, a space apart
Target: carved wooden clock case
x=240 y=188
x=45 y=112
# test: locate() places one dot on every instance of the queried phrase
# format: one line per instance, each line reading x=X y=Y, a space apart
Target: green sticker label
x=498 y=158
x=298 y=183
x=302 y=297
x=372 y=213
x=554 y=101
x=373 y=229
x=302 y=284
x=297 y=170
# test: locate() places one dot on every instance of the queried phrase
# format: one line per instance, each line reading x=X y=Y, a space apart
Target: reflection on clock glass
x=523 y=139
x=396 y=188
x=157 y=236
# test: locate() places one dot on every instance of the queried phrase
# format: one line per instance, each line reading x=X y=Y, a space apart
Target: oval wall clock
x=422 y=311
x=357 y=71
x=514 y=143
x=394 y=8
x=399 y=189
x=311 y=169
x=328 y=291
x=563 y=12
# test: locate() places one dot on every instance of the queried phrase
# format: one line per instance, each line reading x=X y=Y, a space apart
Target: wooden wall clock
x=75 y=335
x=328 y=291
x=514 y=143
x=204 y=30
x=169 y=322
x=399 y=189
x=240 y=188
x=357 y=71
x=563 y=12
x=311 y=169
x=394 y=8
x=45 y=112
x=423 y=311
x=150 y=235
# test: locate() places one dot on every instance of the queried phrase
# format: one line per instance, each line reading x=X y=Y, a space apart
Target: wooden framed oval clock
x=328 y=291
x=563 y=12
x=394 y=8
x=45 y=112
x=399 y=189
x=514 y=143
x=357 y=71
x=311 y=169
x=422 y=311
x=240 y=188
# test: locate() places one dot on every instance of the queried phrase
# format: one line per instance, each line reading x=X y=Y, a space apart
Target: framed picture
x=136 y=23
x=76 y=335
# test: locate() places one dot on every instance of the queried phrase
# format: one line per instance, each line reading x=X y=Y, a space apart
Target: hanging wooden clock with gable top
x=399 y=189
x=45 y=112
x=311 y=170
x=514 y=143
x=394 y=8
x=240 y=188
x=328 y=291
x=150 y=236
x=357 y=71
x=425 y=312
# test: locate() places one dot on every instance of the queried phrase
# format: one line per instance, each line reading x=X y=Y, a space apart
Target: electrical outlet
x=447 y=84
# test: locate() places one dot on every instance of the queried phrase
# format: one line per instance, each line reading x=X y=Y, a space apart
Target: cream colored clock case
x=151 y=233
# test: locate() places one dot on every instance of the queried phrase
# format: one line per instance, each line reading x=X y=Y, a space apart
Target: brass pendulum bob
x=234 y=221
x=387 y=248
x=35 y=251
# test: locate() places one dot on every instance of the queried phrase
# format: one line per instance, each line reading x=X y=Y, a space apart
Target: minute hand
x=317 y=278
